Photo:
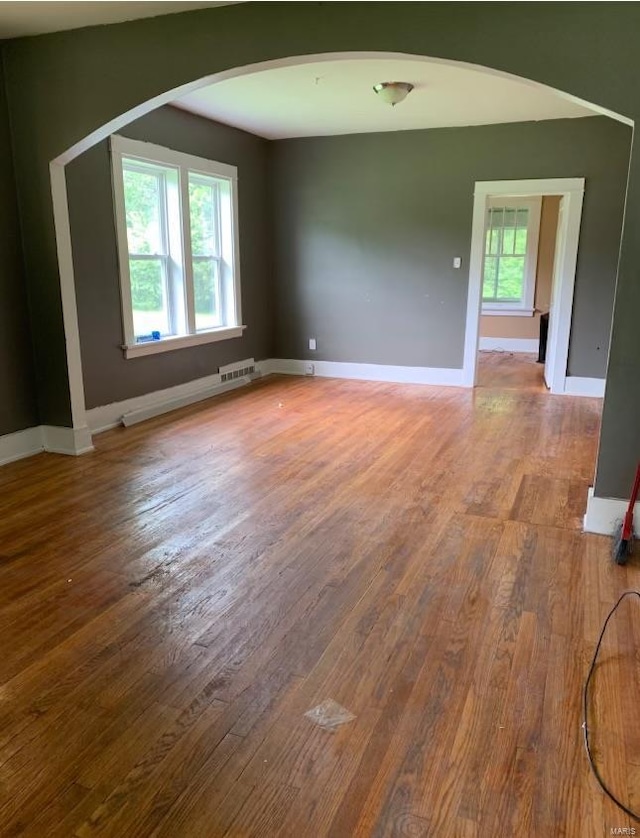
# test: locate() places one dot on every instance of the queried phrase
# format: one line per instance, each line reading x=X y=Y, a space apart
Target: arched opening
x=60 y=200
x=175 y=93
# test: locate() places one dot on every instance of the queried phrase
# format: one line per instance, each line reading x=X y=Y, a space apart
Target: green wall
x=364 y=251
x=108 y=375
x=388 y=299
x=62 y=87
x=17 y=382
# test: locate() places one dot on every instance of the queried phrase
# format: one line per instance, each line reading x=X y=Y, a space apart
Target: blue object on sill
x=148 y=338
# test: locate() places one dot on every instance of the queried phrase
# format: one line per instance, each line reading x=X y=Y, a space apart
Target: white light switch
x=312 y=343
x=457 y=261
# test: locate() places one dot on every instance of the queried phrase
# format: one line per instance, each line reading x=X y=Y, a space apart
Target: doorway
x=509 y=212
x=520 y=241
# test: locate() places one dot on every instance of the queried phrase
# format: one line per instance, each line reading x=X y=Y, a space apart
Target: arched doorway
x=61 y=211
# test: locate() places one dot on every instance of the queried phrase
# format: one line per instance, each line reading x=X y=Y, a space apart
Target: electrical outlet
x=457 y=261
x=309 y=369
x=312 y=343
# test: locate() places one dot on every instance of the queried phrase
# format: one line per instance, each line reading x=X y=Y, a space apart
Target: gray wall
x=108 y=376
x=367 y=227
x=64 y=86
x=17 y=383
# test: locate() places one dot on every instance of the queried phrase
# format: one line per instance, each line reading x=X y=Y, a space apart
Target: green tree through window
x=176 y=221
x=146 y=240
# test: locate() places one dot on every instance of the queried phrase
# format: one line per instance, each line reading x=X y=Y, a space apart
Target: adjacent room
x=311 y=446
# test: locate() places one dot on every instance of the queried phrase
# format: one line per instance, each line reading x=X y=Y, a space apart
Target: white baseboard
x=20 y=444
x=576 y=386
x=73 y=441
x=267 y=366
x=603 y=515
x=132 y=417
x=56 y=440
x=509 y=344
x=368 y=372
x=139 y=408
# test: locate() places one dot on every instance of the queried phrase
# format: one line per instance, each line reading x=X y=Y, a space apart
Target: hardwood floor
x=173 y=604
x=508 y=371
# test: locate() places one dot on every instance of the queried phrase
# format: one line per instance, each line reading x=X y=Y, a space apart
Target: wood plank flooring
x=173 y=604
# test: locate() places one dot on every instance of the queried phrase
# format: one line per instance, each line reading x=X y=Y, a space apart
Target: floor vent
x=239 y=369
x=241 y=373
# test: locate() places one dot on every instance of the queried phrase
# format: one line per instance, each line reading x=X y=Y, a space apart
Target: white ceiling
x=36 y=18
x=336 y=97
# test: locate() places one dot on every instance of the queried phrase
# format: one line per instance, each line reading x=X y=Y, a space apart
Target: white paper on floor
x=329 y=715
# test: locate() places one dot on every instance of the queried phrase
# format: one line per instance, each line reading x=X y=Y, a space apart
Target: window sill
x=504 y=311
x=152 y=347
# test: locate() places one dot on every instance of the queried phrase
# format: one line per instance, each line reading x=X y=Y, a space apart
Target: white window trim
x=152 y=153
x=506 y=310
x=527 y=307
x=182 y=341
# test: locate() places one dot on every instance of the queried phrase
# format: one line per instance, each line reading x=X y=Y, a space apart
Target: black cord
x=585 y=706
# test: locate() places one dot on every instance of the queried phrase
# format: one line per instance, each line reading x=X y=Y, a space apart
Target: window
x=510 y=256
x=176 y=217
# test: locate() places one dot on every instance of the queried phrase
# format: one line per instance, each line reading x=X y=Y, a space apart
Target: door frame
x=571 y=190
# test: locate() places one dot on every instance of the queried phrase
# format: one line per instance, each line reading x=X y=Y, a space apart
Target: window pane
x=206 y=290
x=149 y=297
x=521 y=240
x=489 y=279
x=508 y=233
x=521 y=232
x=493 y=235
x=508 y=240
x=142 y=197
x=203 y=205
x=511 y=278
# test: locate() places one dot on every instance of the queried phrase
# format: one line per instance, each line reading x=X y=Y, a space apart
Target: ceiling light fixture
x=393 y=92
